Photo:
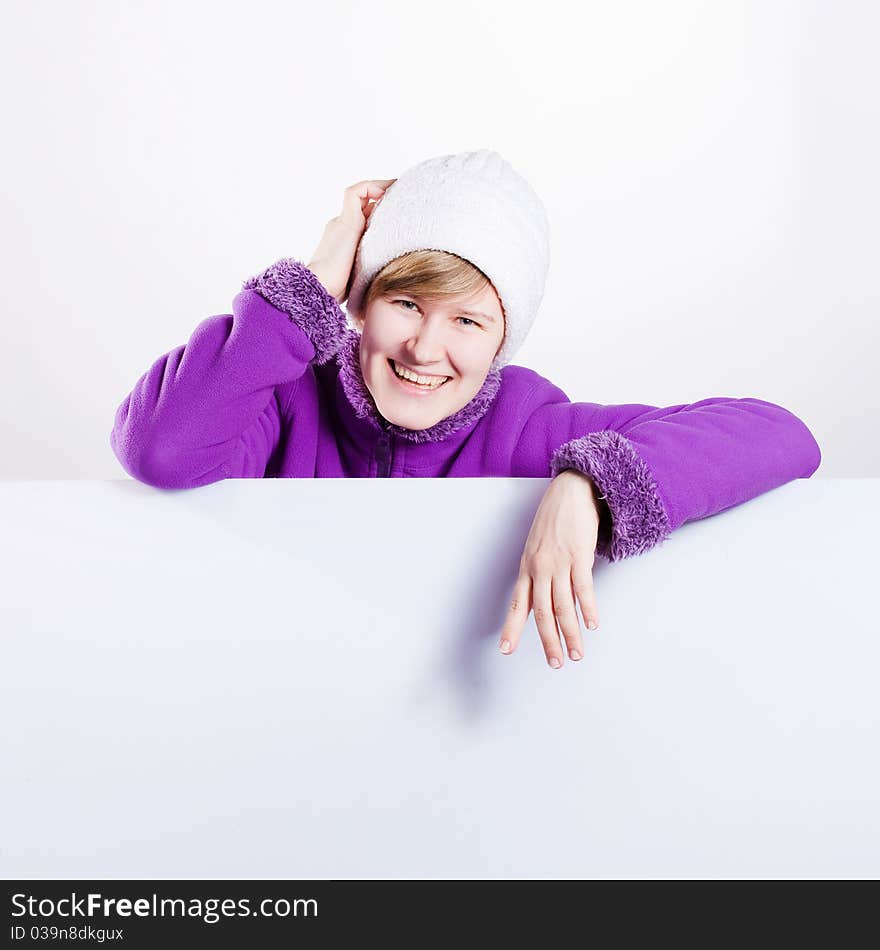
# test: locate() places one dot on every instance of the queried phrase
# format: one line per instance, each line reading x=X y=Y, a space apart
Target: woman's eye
x=467 y=320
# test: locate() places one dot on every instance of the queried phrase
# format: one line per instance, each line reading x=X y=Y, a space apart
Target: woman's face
x=434 y=339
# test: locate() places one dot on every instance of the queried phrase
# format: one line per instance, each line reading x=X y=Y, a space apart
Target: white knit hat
x=475 y=205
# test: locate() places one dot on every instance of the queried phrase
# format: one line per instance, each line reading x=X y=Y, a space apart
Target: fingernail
x=592 y=625
x=505 y=646
x=554 y=662
x=575 y=655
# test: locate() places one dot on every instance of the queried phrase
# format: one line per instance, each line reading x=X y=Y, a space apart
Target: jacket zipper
x=383 y=456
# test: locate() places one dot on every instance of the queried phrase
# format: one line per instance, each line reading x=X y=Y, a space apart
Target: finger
x=356 y=199
x=375 y=201
x=582 y=583
x=370 y=187
x=385 y=183
x=566 y=614
x=516 y=615
x=542 y=604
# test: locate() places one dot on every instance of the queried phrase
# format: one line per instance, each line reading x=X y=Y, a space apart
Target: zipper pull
x=383 y=455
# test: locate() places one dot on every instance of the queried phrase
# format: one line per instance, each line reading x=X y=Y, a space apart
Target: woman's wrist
x=319 y=274
x=594 y=491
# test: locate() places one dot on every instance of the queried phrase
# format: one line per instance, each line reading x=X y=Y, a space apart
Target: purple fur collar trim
x=352 y=380
x=638 y=516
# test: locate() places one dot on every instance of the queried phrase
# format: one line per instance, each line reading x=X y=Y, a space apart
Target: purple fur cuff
x=292 y=287
x=638 y=517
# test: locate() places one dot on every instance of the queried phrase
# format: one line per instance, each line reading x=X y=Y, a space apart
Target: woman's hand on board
x=557 y=568
x=334 y=256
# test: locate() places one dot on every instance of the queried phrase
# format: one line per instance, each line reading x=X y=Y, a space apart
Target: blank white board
x=262 y=679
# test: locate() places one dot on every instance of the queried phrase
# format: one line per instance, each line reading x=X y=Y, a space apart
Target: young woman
x=443 y=270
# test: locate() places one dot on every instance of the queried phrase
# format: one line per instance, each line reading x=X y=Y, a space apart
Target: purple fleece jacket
x=275 y=390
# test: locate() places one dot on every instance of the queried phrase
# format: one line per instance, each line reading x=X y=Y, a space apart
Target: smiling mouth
x=425 y=387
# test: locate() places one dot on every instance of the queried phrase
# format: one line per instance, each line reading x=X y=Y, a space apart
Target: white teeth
x=432 y=382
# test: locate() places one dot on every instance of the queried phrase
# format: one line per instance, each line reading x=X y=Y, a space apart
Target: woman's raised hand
x=557 y=567
x=333 y=258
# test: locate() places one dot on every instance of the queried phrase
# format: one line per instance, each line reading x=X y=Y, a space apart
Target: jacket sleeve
x=658 y=467
x=210 y=409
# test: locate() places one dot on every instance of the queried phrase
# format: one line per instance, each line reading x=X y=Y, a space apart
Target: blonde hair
x=430 y=274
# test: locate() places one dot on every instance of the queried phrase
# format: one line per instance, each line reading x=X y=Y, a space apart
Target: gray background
x=710 y=172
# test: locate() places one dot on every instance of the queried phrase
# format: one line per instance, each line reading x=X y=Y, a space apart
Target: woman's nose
x=426 y=343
